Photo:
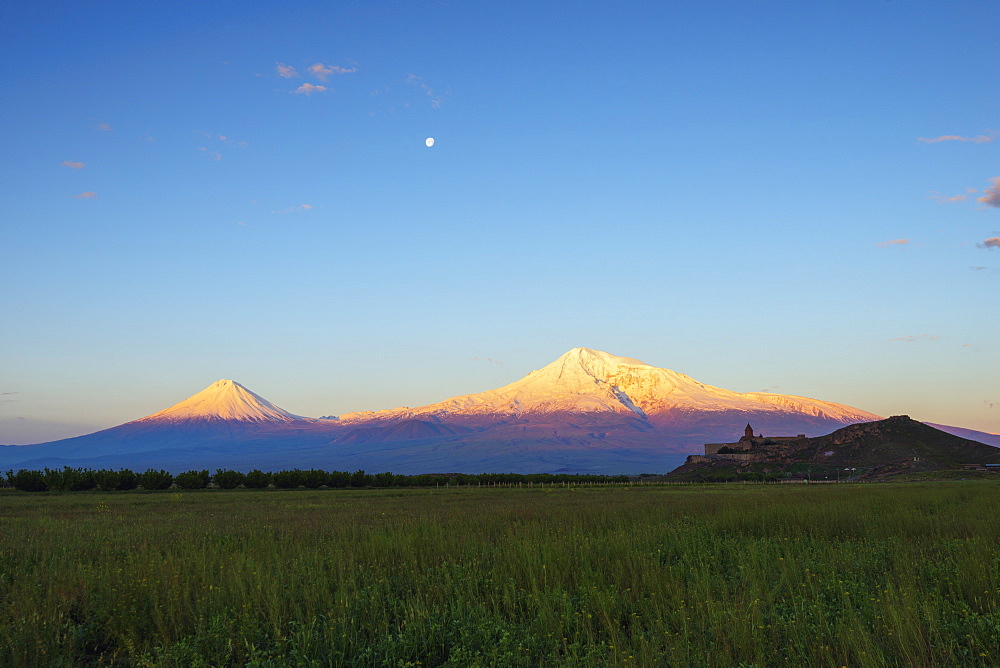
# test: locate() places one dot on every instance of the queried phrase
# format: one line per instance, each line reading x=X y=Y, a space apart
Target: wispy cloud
x=950 y=199
x=295 y=209
x=910 y=338
x=321 y=71
x=214 y=155
x=978 y=139
x=103 y=127
x=894 y=242
x=72 y=165
x=209 y=135
x=308 y=89
x=992 y=242
x=991 y=196
x=420 y=83
x=229 y=141
x=285 y=71
x=86 y=195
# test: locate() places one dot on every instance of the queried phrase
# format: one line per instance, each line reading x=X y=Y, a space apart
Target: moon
x=429 y=142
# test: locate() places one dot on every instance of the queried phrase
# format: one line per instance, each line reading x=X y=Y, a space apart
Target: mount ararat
x=586 y=412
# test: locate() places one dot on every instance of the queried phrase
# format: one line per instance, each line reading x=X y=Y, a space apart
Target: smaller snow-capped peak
x=224 y=400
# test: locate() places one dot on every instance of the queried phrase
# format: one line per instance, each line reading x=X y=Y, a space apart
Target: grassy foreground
x=834 y=575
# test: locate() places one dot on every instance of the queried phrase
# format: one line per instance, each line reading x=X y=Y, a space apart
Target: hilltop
x=870 y=450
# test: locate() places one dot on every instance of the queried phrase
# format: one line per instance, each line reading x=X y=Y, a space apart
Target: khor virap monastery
x=747 y=448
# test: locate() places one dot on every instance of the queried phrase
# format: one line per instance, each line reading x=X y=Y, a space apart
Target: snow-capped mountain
x=210 y=428
x=591 y=411
x=587 y=381
x=223 y=400
x=588 y=412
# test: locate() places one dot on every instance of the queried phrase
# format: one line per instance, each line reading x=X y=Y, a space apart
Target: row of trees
x=76 y=480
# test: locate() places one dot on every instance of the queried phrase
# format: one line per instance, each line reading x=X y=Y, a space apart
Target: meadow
x=686 y=575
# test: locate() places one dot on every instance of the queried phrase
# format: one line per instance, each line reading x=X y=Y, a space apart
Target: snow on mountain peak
x=584 y=380
x=591 y=356
x=224 y=400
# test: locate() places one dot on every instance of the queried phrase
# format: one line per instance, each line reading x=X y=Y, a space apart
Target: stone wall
x=741 y=456
x=713 y=448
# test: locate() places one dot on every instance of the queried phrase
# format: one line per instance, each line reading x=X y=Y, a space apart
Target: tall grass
x=695 y=576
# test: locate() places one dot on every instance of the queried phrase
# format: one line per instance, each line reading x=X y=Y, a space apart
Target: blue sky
x=800 y=197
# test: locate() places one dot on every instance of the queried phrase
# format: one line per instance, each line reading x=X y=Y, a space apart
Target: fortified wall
x=748 y=448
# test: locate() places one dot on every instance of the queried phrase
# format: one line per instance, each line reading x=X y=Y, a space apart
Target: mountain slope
x=223 y=400
x=587 y=381
x=225 y=414
x=971 y=434
x=588 y=411
x=875 y=449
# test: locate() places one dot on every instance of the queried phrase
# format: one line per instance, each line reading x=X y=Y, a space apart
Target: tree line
x=70 y=479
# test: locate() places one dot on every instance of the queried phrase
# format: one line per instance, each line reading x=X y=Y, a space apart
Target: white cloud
x=86 y=195
x=978 y=139
x=309 y=89
x=295 y=209
x=321 y=71
x=420 y=83
x=103 y=127
x=71 y=164
x=215 y=155
x=991 y=196
x=894 y=242
x=948 y=199
x=285 y=71
x=910 y=338
x=223 y=138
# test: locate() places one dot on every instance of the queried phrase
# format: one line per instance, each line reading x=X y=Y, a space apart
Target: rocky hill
x=867 y=450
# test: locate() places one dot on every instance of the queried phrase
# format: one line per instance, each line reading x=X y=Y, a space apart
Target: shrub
x=192 y=479
x=339 y=479
x=153 y=479
x=67 y=479
x=127 y=479
x=83 y=479
x=107 y=479
x=314 y=478
x=228 y=479
x=287 y=479
x=384 y=480
x=27 y=481
x=256 y=479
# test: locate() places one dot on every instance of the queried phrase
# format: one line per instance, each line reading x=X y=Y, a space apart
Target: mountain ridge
x=588 y=380
x=588 y=411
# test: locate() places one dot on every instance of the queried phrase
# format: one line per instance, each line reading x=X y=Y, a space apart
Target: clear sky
x=802 y=197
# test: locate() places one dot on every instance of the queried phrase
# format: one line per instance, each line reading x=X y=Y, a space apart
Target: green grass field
x=712 y=575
